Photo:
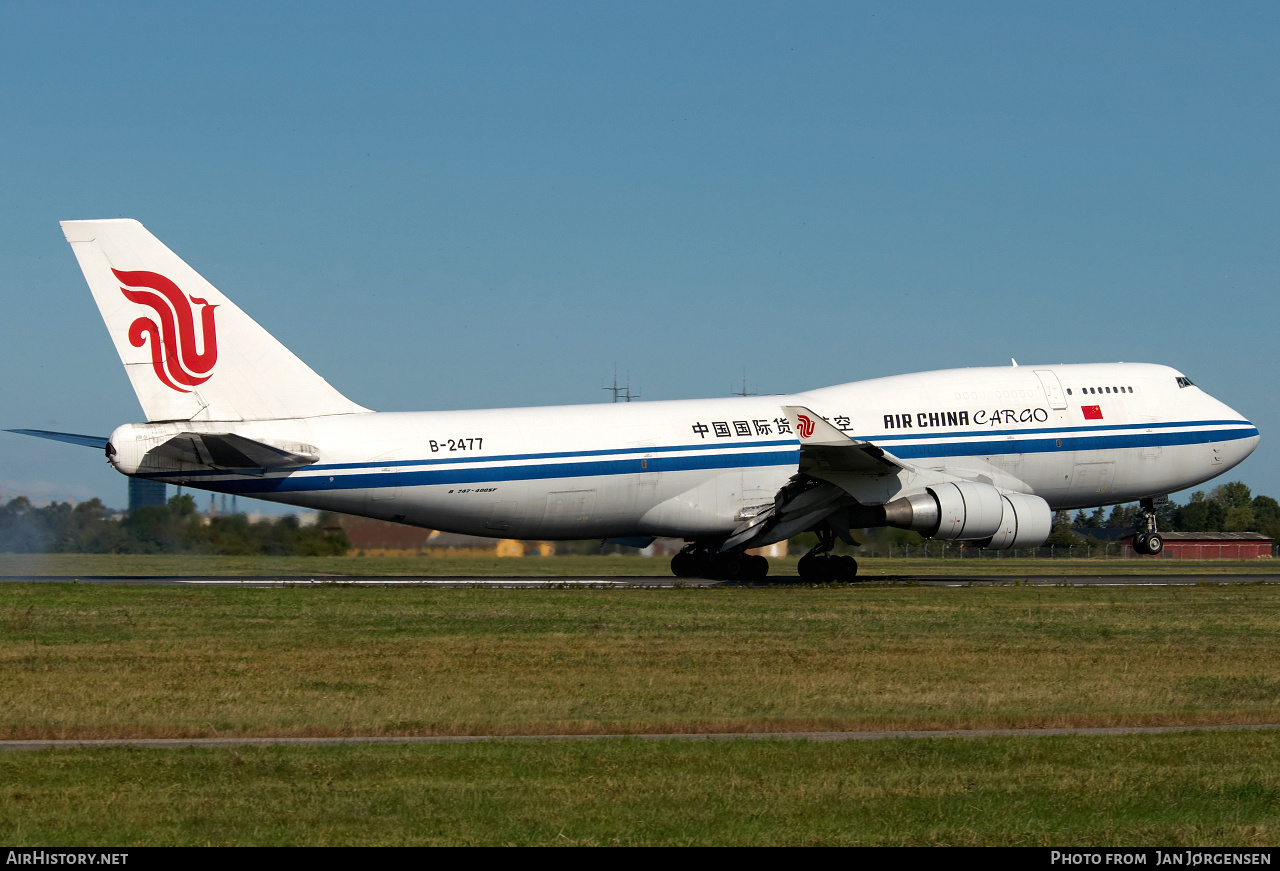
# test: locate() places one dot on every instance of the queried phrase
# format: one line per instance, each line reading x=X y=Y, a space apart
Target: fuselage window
x=1068 y=391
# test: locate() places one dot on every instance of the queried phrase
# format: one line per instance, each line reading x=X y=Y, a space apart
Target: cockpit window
x=1184 y=381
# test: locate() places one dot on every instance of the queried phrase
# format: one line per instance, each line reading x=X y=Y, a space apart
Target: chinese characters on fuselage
x=723 y=429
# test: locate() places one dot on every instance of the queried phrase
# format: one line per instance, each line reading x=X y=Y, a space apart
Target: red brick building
x=383 y=538
x=1209 y=545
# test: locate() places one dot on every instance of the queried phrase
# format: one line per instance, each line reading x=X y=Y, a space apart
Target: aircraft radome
x=980 y=455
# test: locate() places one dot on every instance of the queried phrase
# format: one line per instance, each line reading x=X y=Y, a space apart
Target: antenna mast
x=622 y=392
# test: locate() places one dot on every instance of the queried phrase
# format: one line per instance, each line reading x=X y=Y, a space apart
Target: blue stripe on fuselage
x=486 y=474
x=1078 y=443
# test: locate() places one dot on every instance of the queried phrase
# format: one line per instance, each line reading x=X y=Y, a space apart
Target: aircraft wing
x=229 y=452
x=808 y=499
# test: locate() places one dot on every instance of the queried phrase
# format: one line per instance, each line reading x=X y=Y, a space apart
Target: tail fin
x=191 y=354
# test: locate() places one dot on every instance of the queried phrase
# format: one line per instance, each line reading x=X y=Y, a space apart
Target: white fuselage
x=1075 y=435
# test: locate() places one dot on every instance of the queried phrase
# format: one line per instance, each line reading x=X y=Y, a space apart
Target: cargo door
x=1092 y=479
x=1052 y=389
x=568 y=513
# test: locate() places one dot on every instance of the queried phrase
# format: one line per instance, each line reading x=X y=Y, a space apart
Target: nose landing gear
x=1148 y=540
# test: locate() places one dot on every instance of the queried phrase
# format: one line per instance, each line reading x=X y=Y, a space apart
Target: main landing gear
x=1148 y=541
x=821 y=565
x=699 y=561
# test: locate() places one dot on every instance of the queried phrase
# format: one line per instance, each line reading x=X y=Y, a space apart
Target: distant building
x=371 y=537
x=1105 y=533
x=143 y=493
x=304 y=518
x=1209 y=545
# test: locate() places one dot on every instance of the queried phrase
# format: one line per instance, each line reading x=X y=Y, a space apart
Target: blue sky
x=456 y=205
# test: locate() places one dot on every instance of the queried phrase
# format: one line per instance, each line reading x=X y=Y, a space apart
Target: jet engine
x=970 y=511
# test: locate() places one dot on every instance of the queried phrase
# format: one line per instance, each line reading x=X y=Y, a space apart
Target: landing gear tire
x=740 y=567
x=812 y=567
x=821 y=568
x=1148 y=541
x=730 y=567
x=700 y=563
x=848 y=569
x=682 y=565
x=692 y=563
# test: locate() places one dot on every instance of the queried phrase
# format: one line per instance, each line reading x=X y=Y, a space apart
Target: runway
x=176 y=743
x=641 y=583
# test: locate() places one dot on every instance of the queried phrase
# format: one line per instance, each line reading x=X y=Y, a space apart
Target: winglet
x=813 y=430
x=823 y=447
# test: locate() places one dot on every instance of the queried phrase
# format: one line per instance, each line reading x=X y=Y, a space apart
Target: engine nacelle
x=1027 y=523
x=970 y=511
x=967 y=510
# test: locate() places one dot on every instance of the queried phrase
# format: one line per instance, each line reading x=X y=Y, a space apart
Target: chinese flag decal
x=1092 y=412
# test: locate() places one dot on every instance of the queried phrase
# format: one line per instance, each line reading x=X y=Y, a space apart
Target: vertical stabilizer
x=190 y=352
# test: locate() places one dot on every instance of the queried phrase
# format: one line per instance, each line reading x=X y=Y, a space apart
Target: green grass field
x=1194 y=789
x=91 y=661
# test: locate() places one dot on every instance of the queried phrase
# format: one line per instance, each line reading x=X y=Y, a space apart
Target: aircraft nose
x=1248 y=440
x=1239 y=437
x=1252 y=441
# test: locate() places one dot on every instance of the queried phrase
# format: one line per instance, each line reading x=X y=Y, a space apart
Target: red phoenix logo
x=173 y=340
x=806 y=426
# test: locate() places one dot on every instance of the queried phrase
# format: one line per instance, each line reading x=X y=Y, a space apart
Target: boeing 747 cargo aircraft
x=978 y=455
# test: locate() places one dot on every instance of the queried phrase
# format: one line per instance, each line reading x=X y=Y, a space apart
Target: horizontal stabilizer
x=229 y=452
x=99 y=442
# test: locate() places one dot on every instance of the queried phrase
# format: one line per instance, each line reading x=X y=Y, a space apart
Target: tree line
x=1226 y=508
x=175 y=527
